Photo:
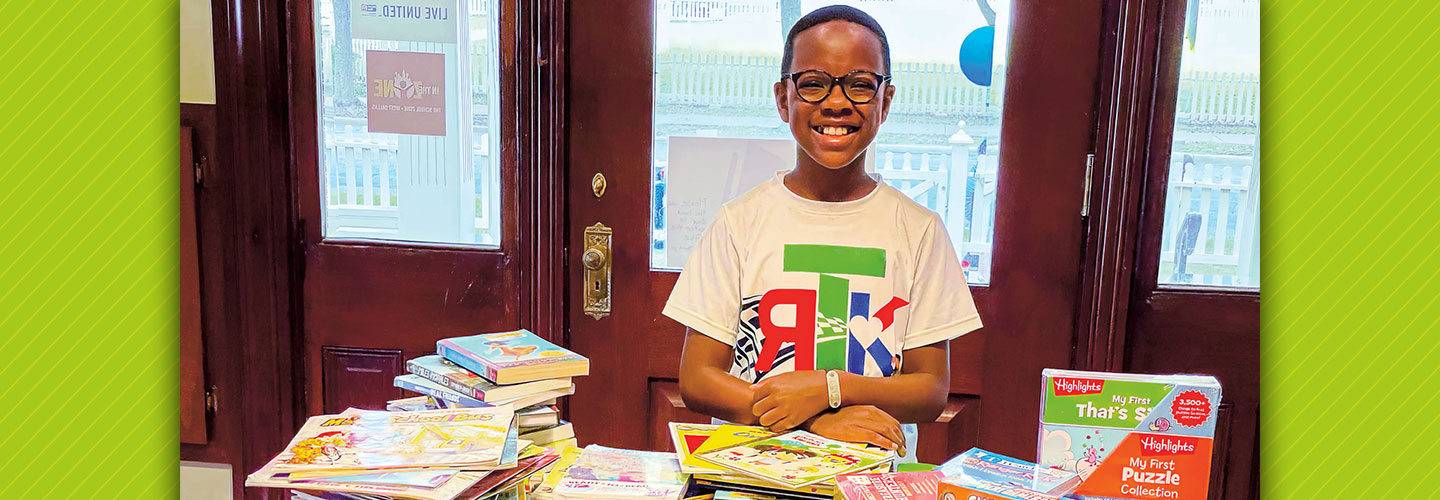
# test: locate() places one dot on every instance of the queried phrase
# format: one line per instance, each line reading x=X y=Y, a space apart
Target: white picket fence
x=711 y=10
x=1220 y=196
x=938 y=178
x=361 y=172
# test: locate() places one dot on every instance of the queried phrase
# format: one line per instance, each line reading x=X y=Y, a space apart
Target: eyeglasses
x=859 y=86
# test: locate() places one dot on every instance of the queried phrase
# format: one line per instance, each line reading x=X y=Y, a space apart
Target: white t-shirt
x=797 y=284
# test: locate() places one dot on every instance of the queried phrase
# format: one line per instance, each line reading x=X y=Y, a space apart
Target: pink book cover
x=889 y=485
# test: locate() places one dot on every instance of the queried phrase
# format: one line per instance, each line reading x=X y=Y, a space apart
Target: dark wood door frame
x=1127 y=321
x=253 y=145
x=261 y=89
x=1127 y=88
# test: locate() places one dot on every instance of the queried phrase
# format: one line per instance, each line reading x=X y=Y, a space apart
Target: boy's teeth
x=834 y=130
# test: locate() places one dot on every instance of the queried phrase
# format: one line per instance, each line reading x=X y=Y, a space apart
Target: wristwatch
x=832 y=386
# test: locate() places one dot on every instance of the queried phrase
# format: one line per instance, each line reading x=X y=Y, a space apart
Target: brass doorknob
x=594 y=259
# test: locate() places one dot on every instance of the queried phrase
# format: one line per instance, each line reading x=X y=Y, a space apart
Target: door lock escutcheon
x=595 y=291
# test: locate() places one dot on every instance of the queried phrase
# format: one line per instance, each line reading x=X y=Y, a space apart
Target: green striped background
x=1350 y=382
x=89 y=224
x=88 y=214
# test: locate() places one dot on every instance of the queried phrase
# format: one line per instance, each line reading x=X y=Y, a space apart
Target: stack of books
x=442 y=454
x=484 y=427
x=517 y=369
x=740 y=461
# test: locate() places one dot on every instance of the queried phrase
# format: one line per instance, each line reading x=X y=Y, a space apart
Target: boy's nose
x=836 y=103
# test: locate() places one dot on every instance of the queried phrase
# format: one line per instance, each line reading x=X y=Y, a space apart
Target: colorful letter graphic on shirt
x=845 y=332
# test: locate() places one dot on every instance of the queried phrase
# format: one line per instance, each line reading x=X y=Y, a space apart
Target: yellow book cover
x=688 y=438
x=476 y=438
x=724 y=436
x=797 y=458
x=552 y=475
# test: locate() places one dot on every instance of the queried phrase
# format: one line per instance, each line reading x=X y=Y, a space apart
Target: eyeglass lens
x=814 y=86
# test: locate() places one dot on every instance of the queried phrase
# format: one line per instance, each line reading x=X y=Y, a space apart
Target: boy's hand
x=860 y=424
x=784 y=401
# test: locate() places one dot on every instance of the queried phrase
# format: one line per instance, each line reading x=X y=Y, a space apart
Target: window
x=408 y=120
x=1211 y=233
x=716 y=131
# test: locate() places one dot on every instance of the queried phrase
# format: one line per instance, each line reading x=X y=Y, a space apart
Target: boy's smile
x=835 y=131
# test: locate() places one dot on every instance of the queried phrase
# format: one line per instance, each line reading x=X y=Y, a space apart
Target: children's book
x=888 y=486
x=419 y=478
x=797 y=458
x=448 y=490
x=687 y=439
x=752 y=485
x=512 y=357
x=552 y=475
x=453 y=377
x=610 y=473
x=416 y=403
x=742 y=495
x=416 y=383
x=1128 y=435
x=954 y=489
x=475 y=438
x=724 y=436
x=551 y=434
x=976 y=464
x=538 y=416
x=505 y=479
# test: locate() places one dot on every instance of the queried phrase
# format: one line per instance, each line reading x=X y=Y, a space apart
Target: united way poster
x=406 y=92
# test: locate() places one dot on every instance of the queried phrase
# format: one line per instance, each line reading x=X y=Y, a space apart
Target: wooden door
x=1138 y=318
x=370 y=304
x=1028 y=307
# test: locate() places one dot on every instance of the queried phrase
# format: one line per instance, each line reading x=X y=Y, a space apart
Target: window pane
x=715 y=62
x=408 y=112
x=1211 y=232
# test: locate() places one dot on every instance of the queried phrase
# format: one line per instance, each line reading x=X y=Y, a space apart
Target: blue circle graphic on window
x=977 y=53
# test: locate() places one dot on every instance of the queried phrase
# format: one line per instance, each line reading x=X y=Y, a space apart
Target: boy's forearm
x=718 y=394
x=909 y=397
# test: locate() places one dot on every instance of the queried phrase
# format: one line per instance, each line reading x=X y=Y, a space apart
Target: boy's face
x=836 y=47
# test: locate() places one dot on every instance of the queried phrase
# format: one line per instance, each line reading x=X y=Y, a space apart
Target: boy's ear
x=889 y=98
x=782 y=105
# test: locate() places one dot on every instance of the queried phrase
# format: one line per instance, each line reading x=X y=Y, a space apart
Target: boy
x=824 y=299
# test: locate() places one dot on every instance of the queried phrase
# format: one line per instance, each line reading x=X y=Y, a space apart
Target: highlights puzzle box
x=1130 y=436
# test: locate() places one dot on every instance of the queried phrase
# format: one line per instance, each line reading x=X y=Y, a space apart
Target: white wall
x=205 y=481
x=197 y=53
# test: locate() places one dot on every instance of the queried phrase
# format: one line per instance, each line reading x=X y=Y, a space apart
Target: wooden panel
x=957 y=430
x=1220 y=460
x=192 y=352
x=222 y=340
x=359 y=377
x=665 y=407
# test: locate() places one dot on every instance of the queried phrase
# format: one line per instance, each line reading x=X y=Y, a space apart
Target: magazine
x=478 y=438
x=610 y=473
x=797 y=458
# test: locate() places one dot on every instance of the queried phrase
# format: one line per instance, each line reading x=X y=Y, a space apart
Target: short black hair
x=832 y=13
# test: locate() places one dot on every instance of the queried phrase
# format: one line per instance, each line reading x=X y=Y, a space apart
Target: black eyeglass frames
x=859 y=86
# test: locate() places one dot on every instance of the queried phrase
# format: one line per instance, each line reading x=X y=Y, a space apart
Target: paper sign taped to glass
x=404 y=20
x=406 y=92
